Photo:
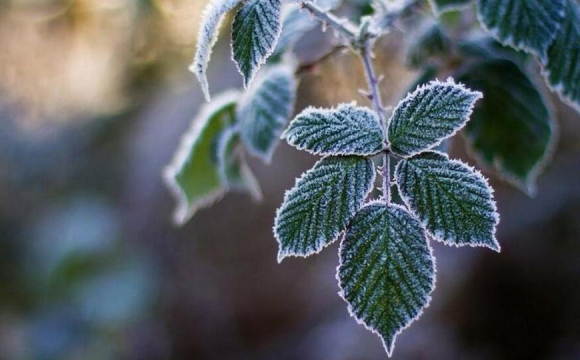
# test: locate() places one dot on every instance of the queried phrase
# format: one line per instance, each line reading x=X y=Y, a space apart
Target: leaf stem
x=343 y=26
x=362 y=41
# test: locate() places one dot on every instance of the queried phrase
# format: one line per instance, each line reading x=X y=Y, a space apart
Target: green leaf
x=265 y=109
x=453 y=201
x=255 y=32
x=429 y=115
x=529 y=25
x=235 y=174
x=511 y=130
x=387 y=270
x=193 y=174
x=213 y=16
x=562 y=67
x=320 y=205
x=345 y=130
x=443 y=6
x=430 y=42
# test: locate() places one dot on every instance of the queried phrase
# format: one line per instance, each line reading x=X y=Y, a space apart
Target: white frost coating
x=265 y=108
x=211 y=21
x=469 y=187
x=323 y=200
x=528 y=25
x=255 y=32
x=184 y=211
x=345 y=130
x=249 y=182
x=429 y=115
x=389 y=347
x=561 y=69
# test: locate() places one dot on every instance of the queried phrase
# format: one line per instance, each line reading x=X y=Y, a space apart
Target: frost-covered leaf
x=529 y=25
x=387 y=270
x=430 y=42
x=320 y=205
x=562 y=67
x=213 y=16
x=193 y=175
x=345 y=130
x=255 y=32
x=453 y=201
x=511 y=130
x=265 y=109
x=429 y=115
x=442 y=6
x=235 y=174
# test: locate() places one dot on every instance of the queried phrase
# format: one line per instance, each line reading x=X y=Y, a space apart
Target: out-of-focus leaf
x=265 y=109
x=487 y=48
x=213 y=16
x=562 y=67
x=430 y=42
x=345 y=130
x=320 y=205
x=529 y=25
x=387 y=271
x=255 y=32
x=511 y=130
x=453 y=201
x=235 y=173
x=429 y=115
x=193 y=175
x=442 y=6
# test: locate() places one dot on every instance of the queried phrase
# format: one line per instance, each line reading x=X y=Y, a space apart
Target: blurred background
x=94 y=96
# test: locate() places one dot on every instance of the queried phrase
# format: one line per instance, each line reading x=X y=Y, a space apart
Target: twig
x=362 y=40
x=343 y=26
x=376 y=100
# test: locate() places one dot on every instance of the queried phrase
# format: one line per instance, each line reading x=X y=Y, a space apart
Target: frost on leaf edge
x=251 y=76
x=286 y=254
x=448 y=242
x=424 y=87
x=429 y=296
x=184 y=211
x=250 y=94
x=559 y=88
x=253 y=186
x=509 y=40
x=212 y=16
x=339 y=107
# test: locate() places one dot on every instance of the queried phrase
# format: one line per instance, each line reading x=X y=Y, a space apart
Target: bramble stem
x=362 y=41
x=343 y=26
x=377 y=101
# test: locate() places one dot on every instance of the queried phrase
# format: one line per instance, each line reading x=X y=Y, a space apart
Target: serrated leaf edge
x=421 y=88
x=492 y=202
x=282 y=254
x=510 y=42
x=252 y=150
x=203 y=53
x=329 y=110
x=429 y=296
x=183 y=211
x=248 y=81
